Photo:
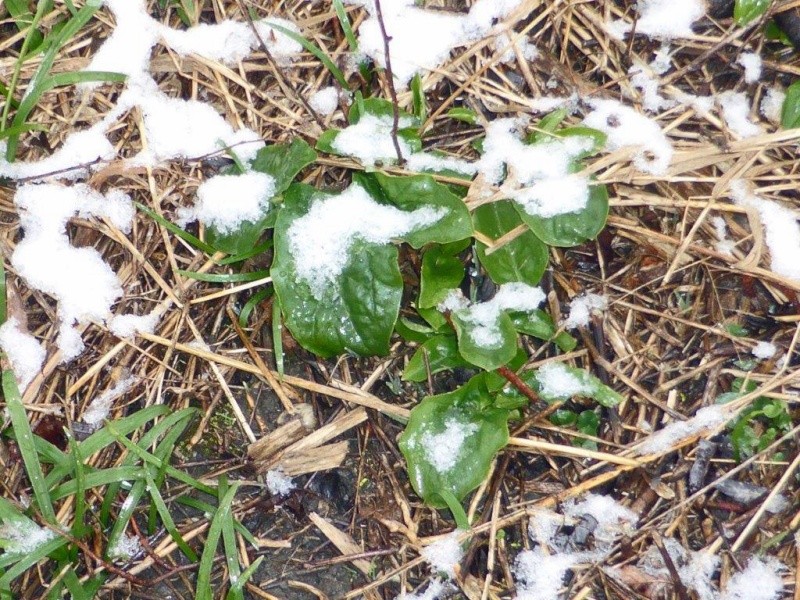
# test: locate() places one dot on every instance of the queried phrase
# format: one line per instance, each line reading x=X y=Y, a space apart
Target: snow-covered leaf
x=358 y=312
x=475 y=350
x=282 y=162
x=572 y=229
x=451 y=440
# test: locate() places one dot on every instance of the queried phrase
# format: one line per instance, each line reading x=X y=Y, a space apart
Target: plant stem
x=517 y=382
x=390 y=81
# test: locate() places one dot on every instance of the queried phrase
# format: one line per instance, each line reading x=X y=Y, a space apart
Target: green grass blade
x=17 y=130
x=277 y=336
x=237 y=588
x=231 y=552
x=3 y=292
x=346 y=27
x=27 y=448
x=99 y=478
x=204 y=591
x=78 y=526
x=224 y=277
x=26 y=561
x=166 y=518
x=172 y=228
x=315 y=50
x=251 y=304
x=245 y=255
x=30 y=36
x=103 y=437
x=35 y=88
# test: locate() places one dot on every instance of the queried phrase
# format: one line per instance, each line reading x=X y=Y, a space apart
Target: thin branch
x=390 y=81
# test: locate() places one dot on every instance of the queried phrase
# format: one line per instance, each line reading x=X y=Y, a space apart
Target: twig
x=517 y=382
x=285 y=87
x=390 y=81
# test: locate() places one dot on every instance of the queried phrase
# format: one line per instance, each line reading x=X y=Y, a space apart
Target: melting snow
x=736 y=112
x=83 y=284
x=23 y=350
x=325 y=101
x=23 y=536
x=626 y=127
x=99 y=408
x=483 y=316
x=278 y=483
x=661 y=19
x=706 y=419
x=444 y=554
x=444 y=448
x=126 y=547
x=752 y=66
x=320 y=240
x=421 y=39
x=581 y=308
x=781 y=228
x=226 y=201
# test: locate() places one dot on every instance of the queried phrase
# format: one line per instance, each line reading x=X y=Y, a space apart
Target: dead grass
x=662 y=343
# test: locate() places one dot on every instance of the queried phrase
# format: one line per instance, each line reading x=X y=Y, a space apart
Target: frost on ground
x=23 y=536
x=443 y=555
x=24 y=352
x=99 y=408
x=320 y=240
x=581 y=309
x=278 y=483
x=706 y=419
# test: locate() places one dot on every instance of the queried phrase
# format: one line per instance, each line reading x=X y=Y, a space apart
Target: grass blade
x=315 y=50
x=27 y=448
x=346 y=27
x=172 y=228
x=204 y=591
x=224 y=277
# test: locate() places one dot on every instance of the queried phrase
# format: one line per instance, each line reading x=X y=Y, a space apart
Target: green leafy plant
x=745 y=11
x=758 y=425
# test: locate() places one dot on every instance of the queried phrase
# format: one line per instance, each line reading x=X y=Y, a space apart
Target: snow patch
x=444 y=554
x=661 y=19
x=736 y=112
x=224 y=202
x=24 y=352
x=581 y=308
x=443 y=449
x=325 y=101
x=764 y=350
x=752 y=64
x=705 y=420
x=278 y=483
x=320 y=240
x=98 y=410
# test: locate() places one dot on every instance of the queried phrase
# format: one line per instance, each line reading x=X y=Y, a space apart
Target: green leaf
x=523 y=259
x=465 y=115
x=451 y=440
x=379 y=108
x=572 y=229
x=439 y=353
x=282 y=162
x=418 y=98
x=598 y=138
x=745 y=11
x=204 y=591
x=790 y=111
x=491 y=353
x=546 y=127
x=580 y=383
x=441 y=272
x=358 y=312
x=563 y=417
x=414 y=191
